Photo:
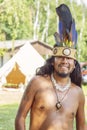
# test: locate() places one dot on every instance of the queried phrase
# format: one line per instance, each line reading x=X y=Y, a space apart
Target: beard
x=62 y=75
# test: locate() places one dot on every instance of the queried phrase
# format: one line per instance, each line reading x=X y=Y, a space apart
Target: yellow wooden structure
x=15 y=76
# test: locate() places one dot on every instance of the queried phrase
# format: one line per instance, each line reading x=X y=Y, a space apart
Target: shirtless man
x=54 y=96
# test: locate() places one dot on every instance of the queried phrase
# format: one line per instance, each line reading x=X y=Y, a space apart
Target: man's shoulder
x=80 y=93
x=39 y=78
x=78 y=90
x=39 y=81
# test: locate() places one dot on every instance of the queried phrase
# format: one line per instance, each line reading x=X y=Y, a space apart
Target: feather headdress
x=66 y=37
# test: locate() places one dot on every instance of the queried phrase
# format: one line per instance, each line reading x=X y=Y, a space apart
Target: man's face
x=63 y=66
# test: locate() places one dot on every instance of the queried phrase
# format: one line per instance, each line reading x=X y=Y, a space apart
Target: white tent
x=28 y=60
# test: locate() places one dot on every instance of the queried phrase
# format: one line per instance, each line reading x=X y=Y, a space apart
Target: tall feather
x=73 y=34
x=67 y=31
x=61 y=30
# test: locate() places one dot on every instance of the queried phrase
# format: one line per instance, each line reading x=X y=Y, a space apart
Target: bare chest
x=46 y=99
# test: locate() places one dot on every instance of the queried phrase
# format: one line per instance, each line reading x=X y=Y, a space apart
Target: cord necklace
x=59 y=102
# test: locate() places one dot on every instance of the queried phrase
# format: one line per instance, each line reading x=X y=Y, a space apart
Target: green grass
x=8 y=113
x=84 y=87
x=7 y=116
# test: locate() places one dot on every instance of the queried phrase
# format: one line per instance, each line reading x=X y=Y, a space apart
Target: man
x=54 y=96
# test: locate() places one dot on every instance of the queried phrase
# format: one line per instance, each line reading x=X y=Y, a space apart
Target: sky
x=82 y=1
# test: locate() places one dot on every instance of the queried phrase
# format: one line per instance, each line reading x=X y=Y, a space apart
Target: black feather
x=65 y=16
x=67 y=31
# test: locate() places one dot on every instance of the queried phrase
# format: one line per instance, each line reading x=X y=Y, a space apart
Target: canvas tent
x=27 y=60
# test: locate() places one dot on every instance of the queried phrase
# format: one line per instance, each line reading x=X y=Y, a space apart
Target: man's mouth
x=64 y=67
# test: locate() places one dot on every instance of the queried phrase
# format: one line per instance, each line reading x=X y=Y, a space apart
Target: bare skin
x=40 y=99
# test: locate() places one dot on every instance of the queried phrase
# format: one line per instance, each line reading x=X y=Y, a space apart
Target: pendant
x=58 y=105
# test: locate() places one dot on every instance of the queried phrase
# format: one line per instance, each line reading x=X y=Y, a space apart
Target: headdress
x=66 y=38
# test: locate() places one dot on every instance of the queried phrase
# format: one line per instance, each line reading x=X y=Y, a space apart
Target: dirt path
x=10 y=96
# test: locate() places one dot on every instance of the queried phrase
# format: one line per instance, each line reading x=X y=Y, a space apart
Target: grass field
x=7 y=117
x=85 y=89
x=8 y=113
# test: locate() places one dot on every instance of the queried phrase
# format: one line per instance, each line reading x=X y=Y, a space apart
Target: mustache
x=61 y=65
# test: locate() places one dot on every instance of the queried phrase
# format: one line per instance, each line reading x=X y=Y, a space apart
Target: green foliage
x=15 y=20
x=10 y=85
x=2 y=51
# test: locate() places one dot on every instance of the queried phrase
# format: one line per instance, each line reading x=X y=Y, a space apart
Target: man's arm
x=25 y=105
x=80 y=116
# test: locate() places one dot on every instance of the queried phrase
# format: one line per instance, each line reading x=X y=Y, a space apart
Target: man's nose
x=64 y=59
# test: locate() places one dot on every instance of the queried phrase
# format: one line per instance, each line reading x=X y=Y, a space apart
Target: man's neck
x=61 y=80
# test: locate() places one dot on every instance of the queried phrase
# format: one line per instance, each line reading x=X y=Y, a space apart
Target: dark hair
x=47 y=69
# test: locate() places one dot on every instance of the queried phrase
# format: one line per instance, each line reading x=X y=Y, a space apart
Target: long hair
x=48 y=69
